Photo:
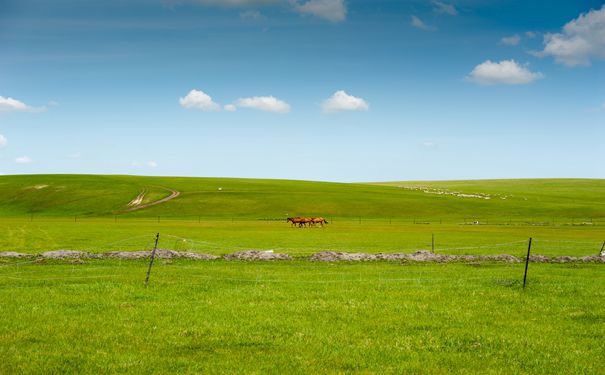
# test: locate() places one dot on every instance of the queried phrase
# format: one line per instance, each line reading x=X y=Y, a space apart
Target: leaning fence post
x=601 y=253
x=526 y=262
x=157 y=237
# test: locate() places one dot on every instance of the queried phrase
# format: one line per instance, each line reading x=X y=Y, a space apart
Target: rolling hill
x=128 y=196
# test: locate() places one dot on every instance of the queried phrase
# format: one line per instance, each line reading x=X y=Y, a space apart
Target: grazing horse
x=319 y=220
x=300 y=221
x=294 y=221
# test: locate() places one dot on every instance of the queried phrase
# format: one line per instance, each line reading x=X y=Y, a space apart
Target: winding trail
x=174 y=194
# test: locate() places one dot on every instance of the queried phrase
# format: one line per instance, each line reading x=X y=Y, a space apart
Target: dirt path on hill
x=174 y=194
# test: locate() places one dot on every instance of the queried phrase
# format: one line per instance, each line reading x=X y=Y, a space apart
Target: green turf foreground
x=300 y=317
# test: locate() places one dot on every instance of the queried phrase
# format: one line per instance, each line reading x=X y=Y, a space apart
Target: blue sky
x=311 y=89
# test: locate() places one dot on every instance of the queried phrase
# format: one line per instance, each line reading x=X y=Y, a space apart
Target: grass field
x=297 y=317
x=91 y=316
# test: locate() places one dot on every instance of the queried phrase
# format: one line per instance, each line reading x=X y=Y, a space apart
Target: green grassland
x=299 y=317
x=69 y=195
x=79 y=212
x=96 y=316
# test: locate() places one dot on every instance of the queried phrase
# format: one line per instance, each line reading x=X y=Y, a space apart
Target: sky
x=328 y=90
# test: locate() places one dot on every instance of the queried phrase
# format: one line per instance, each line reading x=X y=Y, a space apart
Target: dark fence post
x=526 y=263
x=157 y=237
x=433 y=243
x=602 y=247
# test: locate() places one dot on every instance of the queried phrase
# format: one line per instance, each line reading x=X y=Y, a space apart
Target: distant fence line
x=518 y=221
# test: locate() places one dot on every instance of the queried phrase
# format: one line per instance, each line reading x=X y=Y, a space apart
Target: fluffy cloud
x=512 y=40
x=419 y=24
x=341 y=101
x=3 y=141
x=197 y=99
x=14 y=105
x=444 y=8
x=230 y=107
x=507 y=72
x=23 y=160
x=331 y=10
x=264 y=103
x=580 y=40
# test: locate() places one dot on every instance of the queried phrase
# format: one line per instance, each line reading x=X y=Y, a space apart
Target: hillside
x=96 y=195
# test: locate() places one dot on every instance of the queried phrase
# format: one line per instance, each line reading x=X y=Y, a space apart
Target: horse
x=300 y=221
x=294 y=221
x=318 y=220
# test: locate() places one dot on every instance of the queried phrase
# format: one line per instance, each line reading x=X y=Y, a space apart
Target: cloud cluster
x=3 y=141
x=9 y=104
x=581 y=40
x=507 y=72
x=197 y=99
x=341 y=101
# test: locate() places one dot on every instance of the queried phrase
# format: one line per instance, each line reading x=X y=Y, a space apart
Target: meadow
x=95 y=315
x=300 y=317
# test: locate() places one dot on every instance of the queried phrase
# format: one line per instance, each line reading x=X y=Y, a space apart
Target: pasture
x=95 y=315
x=300 y=317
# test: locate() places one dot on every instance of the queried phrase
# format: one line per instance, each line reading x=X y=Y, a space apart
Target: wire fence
x=345 y=220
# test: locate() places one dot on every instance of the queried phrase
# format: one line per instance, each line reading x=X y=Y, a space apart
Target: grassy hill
x=96 y=195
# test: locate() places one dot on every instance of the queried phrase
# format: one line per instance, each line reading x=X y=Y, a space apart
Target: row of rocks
x=324 y=256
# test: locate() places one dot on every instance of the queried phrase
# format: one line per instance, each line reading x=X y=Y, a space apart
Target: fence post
x=601 y=253
x=157 y=237
x=526 y=263
x=433 y=243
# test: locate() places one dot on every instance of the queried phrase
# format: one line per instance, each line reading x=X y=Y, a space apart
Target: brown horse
x=293 y=220
x=318 y=220
x=300 y=221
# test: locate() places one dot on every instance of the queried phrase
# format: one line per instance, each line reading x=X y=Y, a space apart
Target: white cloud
x=3 y=141
x=23 y=160
x=444 y=8
x=531 y=34
x=13 y=105
x=152 y=164
x=512 y=40
x=419 y=24
x=264 y=103
x=331 y=10
x=230 y=107
x=581 y=40
x=428 y=144
x=197 y=99
x=341 y=101
x=507 y=72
